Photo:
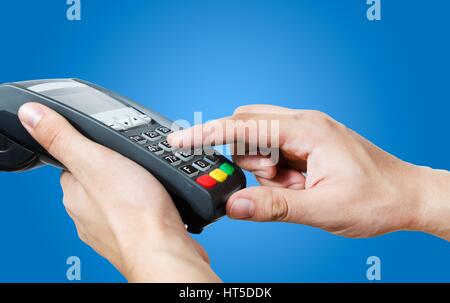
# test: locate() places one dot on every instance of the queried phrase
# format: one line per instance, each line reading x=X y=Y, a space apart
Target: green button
x=227 y=168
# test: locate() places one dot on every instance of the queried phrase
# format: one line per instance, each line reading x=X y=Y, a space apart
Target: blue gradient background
x=388 y=80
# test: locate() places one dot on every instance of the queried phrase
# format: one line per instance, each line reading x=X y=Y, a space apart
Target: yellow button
x=218 y=175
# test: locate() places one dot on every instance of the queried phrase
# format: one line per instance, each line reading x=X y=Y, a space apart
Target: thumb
x=77 y=153
x=266 y=204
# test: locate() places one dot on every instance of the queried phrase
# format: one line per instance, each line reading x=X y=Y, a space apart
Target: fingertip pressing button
x=218 y=175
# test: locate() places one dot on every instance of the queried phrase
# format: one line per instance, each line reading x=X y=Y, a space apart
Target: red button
x=206 y=181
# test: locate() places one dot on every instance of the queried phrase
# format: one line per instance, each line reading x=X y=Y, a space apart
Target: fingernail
x=30 y=114
x=242 y=209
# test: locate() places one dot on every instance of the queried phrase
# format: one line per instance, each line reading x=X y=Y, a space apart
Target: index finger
x=249 y=128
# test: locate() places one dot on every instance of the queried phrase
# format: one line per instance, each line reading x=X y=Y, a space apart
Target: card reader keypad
x=152 y=136
x=172 y=159
x=138 y=139
x=206 y=169
x=165 y=145
x=155 y=149
x=163 y=131
x=201 y=165
x=189 y=170
x=185 y=156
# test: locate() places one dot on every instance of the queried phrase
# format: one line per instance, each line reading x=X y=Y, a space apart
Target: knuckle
x=66 y=180
x=66 y=202
x=318 y=122
x=81 y=232
x=68 y=199
x=299 y=115
x=241 y=110
x=279 y=208
x=317 y=116
x=56 y=142
x=242 y=116
x=83 y=237
x=63 y=181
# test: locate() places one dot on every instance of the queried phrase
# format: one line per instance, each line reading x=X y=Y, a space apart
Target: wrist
x=169 y=267
x=434 y=199
x=161 y=251
x=174 y=259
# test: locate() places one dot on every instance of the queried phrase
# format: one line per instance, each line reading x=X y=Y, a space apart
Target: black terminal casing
x=197 y=205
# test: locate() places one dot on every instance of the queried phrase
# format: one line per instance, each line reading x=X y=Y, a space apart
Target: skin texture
x=119 y=209
x=352 y=188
